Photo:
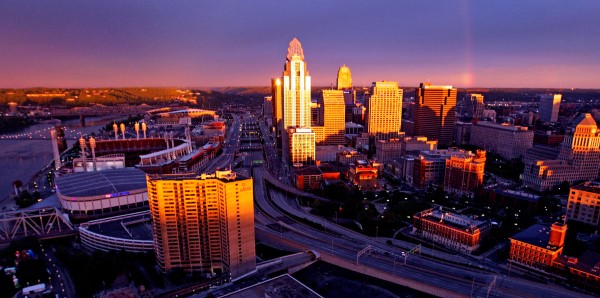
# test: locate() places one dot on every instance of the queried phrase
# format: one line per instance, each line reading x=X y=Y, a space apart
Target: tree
x=25 y=199
x=17 y=184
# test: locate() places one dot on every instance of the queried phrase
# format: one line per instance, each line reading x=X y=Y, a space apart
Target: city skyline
x=210 y=44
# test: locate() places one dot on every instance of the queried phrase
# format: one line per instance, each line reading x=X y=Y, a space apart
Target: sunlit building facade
x=296 y=88
x=454 y=231
x=277 y=105
x=464 y=173
x=578 y=158
x=344 y=78
x=301 y=144
x=477 y=105
x=331 y=123
x=384 y=110
x=435 y=112
x=508 y=141
x=203 y=223
x=584 y=203
x=538 y=246
x=549 y=107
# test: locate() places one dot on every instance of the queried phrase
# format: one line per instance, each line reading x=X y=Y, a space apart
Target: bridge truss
x=39 y=223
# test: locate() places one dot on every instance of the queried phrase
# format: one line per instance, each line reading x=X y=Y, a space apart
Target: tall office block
x=477 y=106
x=268 y=109
x=203 y=223
x=578 y=158
x=277 y=104
x=384 y=110
x=344 y=78
x=331 y=124
x=301 y=144
x=435 y=108
x=549 y=107
x=296 y=106
x=296 y=88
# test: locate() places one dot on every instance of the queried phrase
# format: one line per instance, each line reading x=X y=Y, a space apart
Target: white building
x=508 y=141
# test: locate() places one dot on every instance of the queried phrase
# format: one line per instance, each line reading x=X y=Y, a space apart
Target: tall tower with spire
x=297 y=138
x=296 y=88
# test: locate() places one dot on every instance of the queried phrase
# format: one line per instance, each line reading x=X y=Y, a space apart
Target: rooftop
x=537 y=235
x=284 y=286
x=224 y=175
x=135 y=226
x=107 y=182
x=589 y=186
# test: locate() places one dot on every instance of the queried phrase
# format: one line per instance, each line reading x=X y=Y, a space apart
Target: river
x=21 y=159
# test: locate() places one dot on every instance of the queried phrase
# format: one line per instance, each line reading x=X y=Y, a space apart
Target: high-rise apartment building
x=578 y=158
x=549 y=107
x=331 y=124
x=384 y=110
x=203 y=223
x=435 y=112
x=584 y=203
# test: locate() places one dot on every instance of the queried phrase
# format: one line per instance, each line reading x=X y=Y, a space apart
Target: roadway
x=279 y=216
x=229 y=147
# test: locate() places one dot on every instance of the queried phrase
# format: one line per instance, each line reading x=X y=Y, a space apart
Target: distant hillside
x=244 y=91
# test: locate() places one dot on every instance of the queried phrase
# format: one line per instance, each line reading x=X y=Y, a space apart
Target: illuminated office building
x=455 y=231
x=296 y=107
x=578 y=158
x=296 y=88
x=268 y=109
x=477 y=106
x=538 y=246
x=331 y=125
x=584 y=203
x=344 y=78
x=301 y=144
x=435 y=114
x=464 y=173
x=384 y=110
x=203 y=223
x=277 y=104
x=549 y=107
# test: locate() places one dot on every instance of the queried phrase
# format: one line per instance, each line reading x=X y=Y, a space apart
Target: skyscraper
x=277 y=103
x=578 y=158
x=344 y=78
x=296 y=105
x=384 y=110
x=301 y=144
x=344 y=82
x=477 y=106
x=331 y=126
x=203 y=223
x=296 y=88
x=435 y=108
x=549 y=107
x=268 y=109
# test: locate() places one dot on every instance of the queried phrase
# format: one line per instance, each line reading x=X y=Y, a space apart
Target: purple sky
x=120 y=43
